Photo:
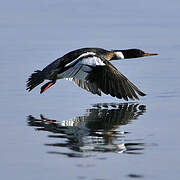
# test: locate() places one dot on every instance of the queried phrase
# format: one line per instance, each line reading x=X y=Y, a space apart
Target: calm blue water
x=68 y=133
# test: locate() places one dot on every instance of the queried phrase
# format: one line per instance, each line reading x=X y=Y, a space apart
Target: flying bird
x=91 y=70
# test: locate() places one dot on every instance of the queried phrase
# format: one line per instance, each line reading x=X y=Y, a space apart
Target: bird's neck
x=123 y=54
x=129 y=53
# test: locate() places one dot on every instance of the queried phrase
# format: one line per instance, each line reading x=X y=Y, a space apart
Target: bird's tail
x=35 y=79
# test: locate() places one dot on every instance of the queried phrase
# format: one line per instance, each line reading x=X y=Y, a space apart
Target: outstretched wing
x=110 y=81
x=86 y=85
x=96 y=74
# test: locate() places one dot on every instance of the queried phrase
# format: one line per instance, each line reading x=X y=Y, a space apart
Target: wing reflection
x=96 y=131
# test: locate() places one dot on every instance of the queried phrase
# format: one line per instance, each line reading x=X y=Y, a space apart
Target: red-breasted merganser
x=91 y=70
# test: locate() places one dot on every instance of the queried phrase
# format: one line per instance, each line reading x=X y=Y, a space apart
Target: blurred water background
x=68 y=133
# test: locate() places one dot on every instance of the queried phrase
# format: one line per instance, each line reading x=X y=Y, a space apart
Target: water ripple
x=96 y=131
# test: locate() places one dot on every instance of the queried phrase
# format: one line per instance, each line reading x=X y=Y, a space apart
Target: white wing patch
x=82 y=55
x=86 y=54
x=82 y=67
x=93 y=61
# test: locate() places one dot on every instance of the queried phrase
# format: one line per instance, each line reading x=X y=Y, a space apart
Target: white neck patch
x=119 y=55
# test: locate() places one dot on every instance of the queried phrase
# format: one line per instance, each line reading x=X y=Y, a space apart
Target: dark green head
x=130 y=53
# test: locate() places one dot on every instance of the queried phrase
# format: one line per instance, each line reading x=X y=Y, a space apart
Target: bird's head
x=130 y=53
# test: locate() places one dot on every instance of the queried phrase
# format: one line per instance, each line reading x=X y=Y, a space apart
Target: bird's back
x=56 y=65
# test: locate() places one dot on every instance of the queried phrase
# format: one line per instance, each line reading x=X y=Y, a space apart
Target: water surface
x=68 y=133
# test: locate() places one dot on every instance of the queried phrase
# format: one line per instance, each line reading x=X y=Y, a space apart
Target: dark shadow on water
x=96 y=131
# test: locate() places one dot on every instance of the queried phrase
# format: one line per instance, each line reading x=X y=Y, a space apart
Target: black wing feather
x=88 y=86
x=110 y=81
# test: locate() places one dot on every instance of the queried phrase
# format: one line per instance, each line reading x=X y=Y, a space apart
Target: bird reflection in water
x=96 y=131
